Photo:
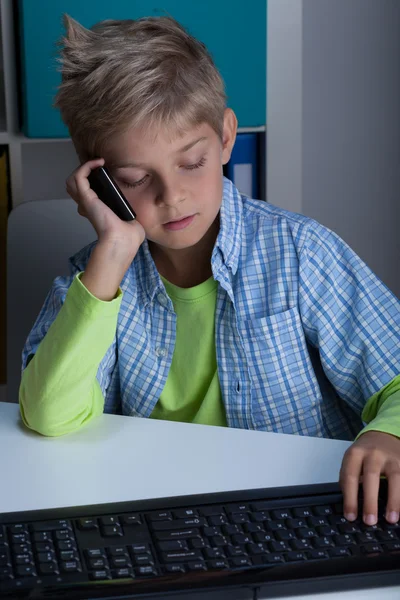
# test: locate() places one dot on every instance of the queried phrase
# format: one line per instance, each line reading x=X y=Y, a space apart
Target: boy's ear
x=228 y=134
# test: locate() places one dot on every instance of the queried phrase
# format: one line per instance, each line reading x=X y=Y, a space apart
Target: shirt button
x=160 y=351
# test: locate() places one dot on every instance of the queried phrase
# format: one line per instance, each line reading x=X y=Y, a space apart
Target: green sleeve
x=59 y=390
x=382 y=411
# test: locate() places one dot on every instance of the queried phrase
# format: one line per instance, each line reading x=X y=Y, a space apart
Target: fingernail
x=350 y=516
x=393 y=516
x=370 y=519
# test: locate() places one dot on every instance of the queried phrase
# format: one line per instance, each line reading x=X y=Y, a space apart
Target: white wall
x=333 y=123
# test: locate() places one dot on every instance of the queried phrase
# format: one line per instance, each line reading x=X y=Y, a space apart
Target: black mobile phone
x=107 y=190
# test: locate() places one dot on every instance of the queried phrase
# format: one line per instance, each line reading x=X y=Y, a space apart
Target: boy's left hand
x=372 y=455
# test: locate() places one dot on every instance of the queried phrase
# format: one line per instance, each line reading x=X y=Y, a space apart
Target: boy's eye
x=135 y=183
x=201 y=162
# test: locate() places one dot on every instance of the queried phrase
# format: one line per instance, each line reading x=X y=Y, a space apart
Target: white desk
x=119 y=458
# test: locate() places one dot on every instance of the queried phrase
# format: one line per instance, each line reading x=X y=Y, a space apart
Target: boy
x=211 y=307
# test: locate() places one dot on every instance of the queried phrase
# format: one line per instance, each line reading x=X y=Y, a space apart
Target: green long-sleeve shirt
x=59 y=391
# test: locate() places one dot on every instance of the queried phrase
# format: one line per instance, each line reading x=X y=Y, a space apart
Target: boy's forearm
x=59 y=391
x=106 y=269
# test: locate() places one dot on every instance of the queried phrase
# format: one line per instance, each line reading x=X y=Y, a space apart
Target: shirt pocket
x=285 y=395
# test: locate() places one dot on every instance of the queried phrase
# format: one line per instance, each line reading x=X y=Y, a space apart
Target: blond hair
x=135 y=73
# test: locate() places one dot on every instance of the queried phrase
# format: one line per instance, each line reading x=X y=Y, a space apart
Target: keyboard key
x=24 y=548
x=218 y=564
x=46 y=557
x=22 y=559
x=117 y=562
x=217 y=520
x=275 y=525
x=48 y=569
x=176 y=568
x=25 y=571
x=140 y=548
x=70 y=566
x=96 y=563
x=67 y=545
x=278 y=546
x=123 y=573
x=212 y=553
x=100 y=575
x=111 y=520
x=264 y=537
x=43 y=536
x=260 y=516
x=143 y=559
x=146 y=571
x=181 y=534
x=273 y=558
x=6 y=573
x=112 y=531
x=208 y=511
x=18 y=528
x=64 y=534
x=197 y=543
x=131 y=520
x=237 y=508
x=295 y=556
x=296 y=523
x=280 y=514
x=233 y=551
x=41 y=547
x=185 y=512
x=68 y=555
x=323 y=542
x=301 y=544
x=372 y=549
x=197 y=565
x=95 y=553
x=173 y=545
x=240 y=561
x=318 y=554
x=338 y=552
x=51 y=525
x=179 y=524
x=160 y=516
x=305 y=532
x=87 y=524
x=122 y=551
x=323 y=511
x=344 y=540
x=239 y=518
x=391 y=546
x=284 y=534
x=256 y=549
x=181 y=556
x=301 y=512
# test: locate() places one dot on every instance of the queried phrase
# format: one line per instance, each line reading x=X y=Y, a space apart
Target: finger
x=393 y=503
x=81 y=181
x=81 y=173
x=372 y=469
x=349 y=480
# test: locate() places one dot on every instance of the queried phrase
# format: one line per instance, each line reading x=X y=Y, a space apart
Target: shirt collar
x=230 y=232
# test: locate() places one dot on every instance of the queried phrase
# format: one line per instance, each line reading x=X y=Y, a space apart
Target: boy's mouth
x=177 y=224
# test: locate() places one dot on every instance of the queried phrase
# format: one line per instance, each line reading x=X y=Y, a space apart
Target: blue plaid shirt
x=305 y=333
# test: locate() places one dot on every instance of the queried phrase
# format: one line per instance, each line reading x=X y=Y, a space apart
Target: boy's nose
x=169 y=196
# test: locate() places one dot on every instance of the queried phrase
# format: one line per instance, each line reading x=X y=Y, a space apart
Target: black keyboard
x=234 y=545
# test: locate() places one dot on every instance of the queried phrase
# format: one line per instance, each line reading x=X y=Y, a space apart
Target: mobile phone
x=103 y=184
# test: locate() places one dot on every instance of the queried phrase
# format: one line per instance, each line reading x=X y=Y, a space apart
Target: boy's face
x=173 y=184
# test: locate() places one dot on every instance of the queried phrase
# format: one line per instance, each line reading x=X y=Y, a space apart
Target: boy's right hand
x=119 y=241
x=110 y=229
